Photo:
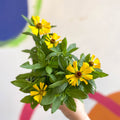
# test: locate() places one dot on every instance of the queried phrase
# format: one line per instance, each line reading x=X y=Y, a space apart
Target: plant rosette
x=57 y=76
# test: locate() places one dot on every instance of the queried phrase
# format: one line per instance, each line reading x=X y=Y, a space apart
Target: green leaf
x=54 y=62
x=41 y=56
x=63 y=97
x=52 y=26
x=37 y=40
x=63 y=63
x=64 y=45
x=27 y=89
x=33 y=55
x=49 y=70
x=27 y=99
x=21 y=83
x=34 y=104
x=60 y=73
x=102 y=74
x=82 y=59
x=55 y=49
x=74 y=57
x=48 y=98
x=60 y=88
x=44 y=47
x=87 y=58
x=97 y=74
x=39 y=72
x=52 y=78
x=26 y=51
x=40 y=79
x=53 y=54
x=24 y=76
x=72 y=48
x=56 y=84
x=29 y=21
x=46 y=107
x=92 y=82
x=34 y=66
x=56 y=104
x=70 y=103
x=76 y=93
x=97 y=69
x=28 y=33
x=88 y=88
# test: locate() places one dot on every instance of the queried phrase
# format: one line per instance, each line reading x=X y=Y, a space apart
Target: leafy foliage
x=48 y=65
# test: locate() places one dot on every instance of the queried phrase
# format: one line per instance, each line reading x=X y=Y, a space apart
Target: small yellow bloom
x=42 y=27
x=94 y=62
x=52 y=40
x=83 y=74
x=39 y=93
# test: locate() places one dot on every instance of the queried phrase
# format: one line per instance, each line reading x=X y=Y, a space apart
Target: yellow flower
x=94 y=62
x=83 y=74
x=52 y=40
x=42 y=27
x=39 y=93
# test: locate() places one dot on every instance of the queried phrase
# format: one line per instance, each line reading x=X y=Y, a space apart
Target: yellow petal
x=71 y=69
x=45 y=87
x=38 y=98
x=34 y=20
x=97 y=66
x=34 y=93
x=44 y=21
x=44 y=93
x=48 y=37
x=87 y=77
x=41 y=32
x=92 y=68
x=75 y=65
x=37 y=19
x=96 y=61
x=92 y=58
x=34 y=30
x=36 y=87
x=85 y=81
x=55 y=36
x=56 y=43
x=47 y=25
x=41 y=85
x=46 y=30
x=50 y=46
x=69 y=76
x=73 y=81
x=84 y=66
x=88 y=70
x=47 y=43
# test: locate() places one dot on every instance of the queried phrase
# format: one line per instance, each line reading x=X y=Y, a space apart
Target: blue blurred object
x=11 y=21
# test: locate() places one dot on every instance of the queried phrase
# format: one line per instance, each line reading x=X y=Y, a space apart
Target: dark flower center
x=41 y=92
x=52 y=41
x=91 y=63
x=39 y=26
x=78 y=74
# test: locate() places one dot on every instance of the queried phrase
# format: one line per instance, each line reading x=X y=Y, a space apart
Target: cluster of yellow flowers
x=39 y=93
x=83 y=74
x=42 y=28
